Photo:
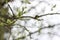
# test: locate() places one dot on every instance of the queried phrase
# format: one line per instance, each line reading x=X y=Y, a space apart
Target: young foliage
x=26 y=1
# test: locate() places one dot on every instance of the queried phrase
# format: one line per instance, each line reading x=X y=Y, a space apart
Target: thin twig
x=22 y=26
x=41 y=15
x=11 y=10
x=49 y=14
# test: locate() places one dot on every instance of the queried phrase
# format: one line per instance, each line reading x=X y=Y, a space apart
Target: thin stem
x=11 y=10
x=40 y=15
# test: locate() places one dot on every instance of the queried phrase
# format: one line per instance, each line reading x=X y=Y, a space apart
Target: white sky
x=42 y=8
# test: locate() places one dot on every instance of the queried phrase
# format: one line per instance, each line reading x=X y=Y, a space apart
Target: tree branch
x=40 y=15
x=11 y=10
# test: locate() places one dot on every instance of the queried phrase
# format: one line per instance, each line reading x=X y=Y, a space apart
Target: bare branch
x=40 y=15
x=11 y=10
x=49 y=14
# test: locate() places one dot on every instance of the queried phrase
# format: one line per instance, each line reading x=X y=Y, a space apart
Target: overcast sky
x=41 y=7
